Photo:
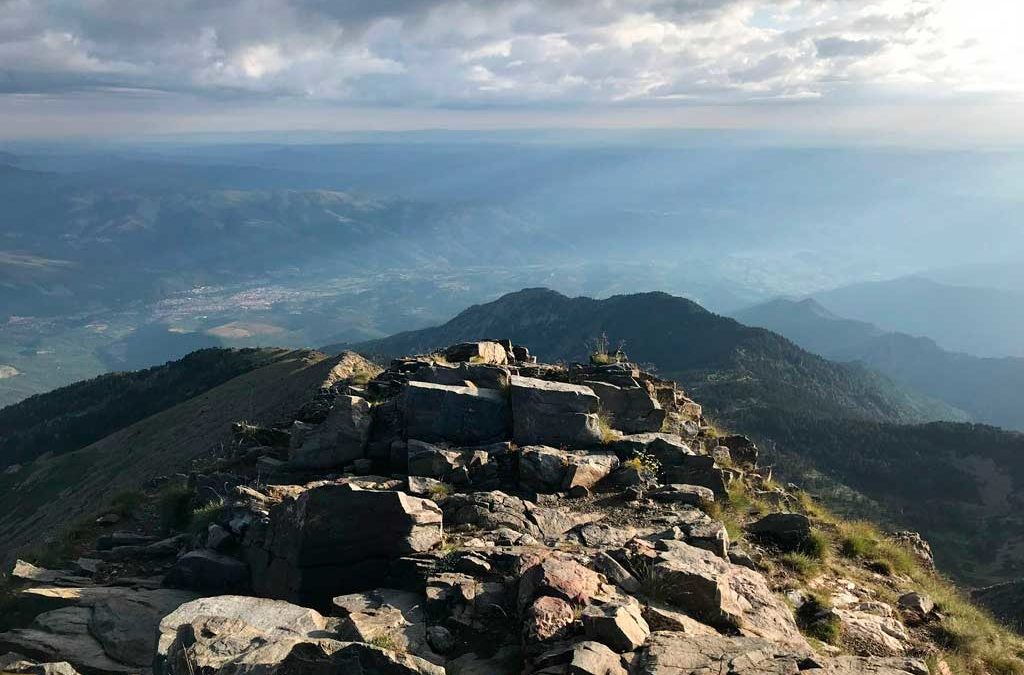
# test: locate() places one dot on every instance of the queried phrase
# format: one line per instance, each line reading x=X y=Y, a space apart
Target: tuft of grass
x=440 y=491
x=816 y=619
x=66 y=546
x=126 y=503
x=175 y=507
x=818 y=545
x=653 y=585
x=604 y=424
x=385 y=641
x=804 y=565
x=200 y=519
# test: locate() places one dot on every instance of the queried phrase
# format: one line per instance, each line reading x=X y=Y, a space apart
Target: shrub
x=818 y=545
x=440 y=491
x=385 y=641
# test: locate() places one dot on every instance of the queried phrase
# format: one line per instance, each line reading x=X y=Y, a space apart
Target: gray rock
x=675 y=653
x=788 y=531
x=460 y=415
x=339 y=440
x=582 y=658
x=618 y=625
x=615 y=572
x=490 y=511
x=16 y=664
x=395 y=615
x=721 y=594
x=630 y=408
x=546 y=470
x=694 y=495
x=478 y=352
x=207 y=571
x=338 y=538
x=554 y=413
x=916 y=603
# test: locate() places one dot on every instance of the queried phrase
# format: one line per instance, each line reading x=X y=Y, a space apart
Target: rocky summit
x=475 y=512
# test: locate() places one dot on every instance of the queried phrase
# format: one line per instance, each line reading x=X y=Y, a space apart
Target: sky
x=893 y=68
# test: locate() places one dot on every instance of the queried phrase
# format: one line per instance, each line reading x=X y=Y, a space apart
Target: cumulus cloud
x=466 y=53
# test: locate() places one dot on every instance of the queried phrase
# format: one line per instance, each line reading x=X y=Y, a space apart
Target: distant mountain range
x=869 y=446
x=970 y=319
x=735 y=369
x=991 y=390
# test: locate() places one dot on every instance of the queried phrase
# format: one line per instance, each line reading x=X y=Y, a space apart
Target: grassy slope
x=52 y=493
x=74 y=416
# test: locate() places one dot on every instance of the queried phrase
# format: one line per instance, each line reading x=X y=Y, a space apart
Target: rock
x=788 y=531
x=680 y=653
x=460 y=415
x=63 y=635
x=100 y=629
x=478 y=352
x=18 y=664
x=615 y=572
x=464 y=600
x=618 y=625
x=694 y=495
x=630 y=408
x=207 y=571
x=395 y=615
x=663 y=619
x=582 y=658
x=506 y=661
x=545 y=470
x=742 y=450
x=217 y=538
x=490 y=511
x=668 y=449
x=28 y=572
x=723 y=595
x=431 y=461
x=318 y=545
x=440 y=639
x=915 y=603
x=872 y=634
x=565 y=579
x=339 y=440
x=484 y=376
x=554 y=413
x=917 y=545
x=698 y=470
x=108 y=541
x=547 y=618
x=425 y=487
x=108 y=519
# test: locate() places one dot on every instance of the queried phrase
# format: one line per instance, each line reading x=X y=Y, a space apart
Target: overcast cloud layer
x=512 y=54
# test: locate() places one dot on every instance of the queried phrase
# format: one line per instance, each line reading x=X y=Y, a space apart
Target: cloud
x=500 y=53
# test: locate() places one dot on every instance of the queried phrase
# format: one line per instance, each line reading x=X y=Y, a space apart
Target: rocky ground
x=475 y=512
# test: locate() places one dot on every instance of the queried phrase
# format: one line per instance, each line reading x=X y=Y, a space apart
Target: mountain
x=853 y=434
x=736 y=370
x=991 y=390
x=77 y=415
x=144 y=433
x=978 y=321
x=402 y=526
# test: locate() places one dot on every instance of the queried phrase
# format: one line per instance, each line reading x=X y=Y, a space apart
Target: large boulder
x=339 y=440
x=565 y=579
x=669 y=653
x=100 y=630
x=788 y=531
x=16 y=664
x=544 y=469
x=236 y=634
x=456 y=414
x=385 y=615
x=619 y=625
x=484 y=351
x=554 y=413
x=582 y=658
x=482 y=375
x=722 y=594
x=491 y=511
x=630 y=408
x=338 y=538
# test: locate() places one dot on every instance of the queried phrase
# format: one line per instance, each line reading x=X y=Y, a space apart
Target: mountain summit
x=477 y=510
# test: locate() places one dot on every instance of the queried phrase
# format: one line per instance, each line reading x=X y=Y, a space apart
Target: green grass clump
x=126 y=503
x=440 y=491
x=200 y=519
x=175 y=507
x=801 y=563
x=816 y=619
x=385 y=641
x=817 y=545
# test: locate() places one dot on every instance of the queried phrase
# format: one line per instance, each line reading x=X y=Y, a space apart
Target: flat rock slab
x=554 y=413
x=460 y=415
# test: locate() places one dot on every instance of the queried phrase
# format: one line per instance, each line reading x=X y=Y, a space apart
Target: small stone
x=440 y=639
